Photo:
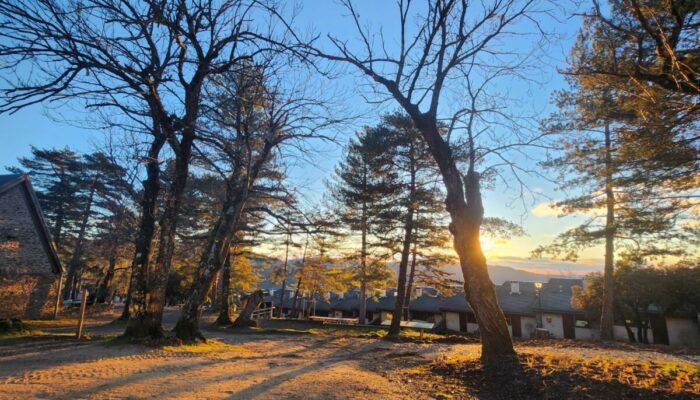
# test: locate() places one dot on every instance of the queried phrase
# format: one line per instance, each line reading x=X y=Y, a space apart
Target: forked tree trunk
x=464 y=204
x=224 y=317
x=158 y=276
x=138 y=325
x=252 y=302
x=607 y=317
x=395 y=327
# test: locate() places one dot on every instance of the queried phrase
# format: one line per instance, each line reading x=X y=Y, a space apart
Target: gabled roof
x=556 y=295
x=517 y=303
x=8 y=182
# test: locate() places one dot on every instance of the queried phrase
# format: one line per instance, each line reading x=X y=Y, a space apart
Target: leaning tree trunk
x=224 y=317
x=607 y=318
x=464 y=204
x=158 y=276
x=252 y=302
x=395 y=327
x=138 y=325
x=76 y=257
x=217 y=248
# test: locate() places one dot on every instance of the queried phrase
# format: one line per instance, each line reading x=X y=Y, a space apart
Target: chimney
x=515 y=288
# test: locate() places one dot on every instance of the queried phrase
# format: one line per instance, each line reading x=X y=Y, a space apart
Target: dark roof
x=517 y=303
x=456 y=303
x=385 y=303
x=346 y=304
x=321 y=304
x=426 y=304
x=8 y=182
x=556 y=295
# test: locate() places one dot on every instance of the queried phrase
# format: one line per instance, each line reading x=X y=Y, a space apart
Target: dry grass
x=550 y=375
x=210 y=346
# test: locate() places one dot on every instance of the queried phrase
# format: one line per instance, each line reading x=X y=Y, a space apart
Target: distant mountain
x=500 y=274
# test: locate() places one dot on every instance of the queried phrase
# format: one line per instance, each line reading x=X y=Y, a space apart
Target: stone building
x=30 y=269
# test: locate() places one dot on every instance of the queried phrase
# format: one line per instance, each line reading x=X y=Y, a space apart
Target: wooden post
x=83 y=305
x=58 y=296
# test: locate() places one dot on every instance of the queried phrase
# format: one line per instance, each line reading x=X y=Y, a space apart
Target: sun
x=487 y=244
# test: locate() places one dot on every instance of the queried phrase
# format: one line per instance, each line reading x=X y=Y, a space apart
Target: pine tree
x=363 y=191
x=600 y=164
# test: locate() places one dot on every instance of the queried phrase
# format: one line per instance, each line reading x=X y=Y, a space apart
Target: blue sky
x=38 y=126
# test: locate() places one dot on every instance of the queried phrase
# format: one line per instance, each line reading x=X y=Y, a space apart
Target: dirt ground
x=260 y=365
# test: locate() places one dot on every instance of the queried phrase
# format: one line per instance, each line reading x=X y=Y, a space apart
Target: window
x=10 y=242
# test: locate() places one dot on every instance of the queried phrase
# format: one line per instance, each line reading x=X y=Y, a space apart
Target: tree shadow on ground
x=518 y=378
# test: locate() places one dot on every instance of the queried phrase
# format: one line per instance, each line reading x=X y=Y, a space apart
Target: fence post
x=83 y=305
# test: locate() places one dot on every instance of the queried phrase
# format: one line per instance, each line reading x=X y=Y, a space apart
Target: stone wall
x=28 y=284
x=28 y=296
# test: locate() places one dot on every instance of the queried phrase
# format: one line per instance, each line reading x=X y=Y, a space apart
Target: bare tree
x=451 y=42
x=147 y=61
x=254 y=111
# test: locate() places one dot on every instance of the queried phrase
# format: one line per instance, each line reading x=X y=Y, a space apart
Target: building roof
x=556 y=295
x=455 y=303
x=346 y=304
x=427 y=304
x=8 y=182
x=385 y=303
x=520 y=302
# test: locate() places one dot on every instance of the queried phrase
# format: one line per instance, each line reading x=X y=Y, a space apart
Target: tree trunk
x=138 y=325
x=362 y=318
x=464 y=204
x=76 y=257
x=409 y=285
x=104 y=293
x=252 y=302
x=395 y=327
x=127 y=302
x=224 y=301
x=158 y=276
x=284 y=275
x=218 y=246
x=607 y=318
x=295 y=312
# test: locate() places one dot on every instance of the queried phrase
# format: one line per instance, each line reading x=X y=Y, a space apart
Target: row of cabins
x=525 y=305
